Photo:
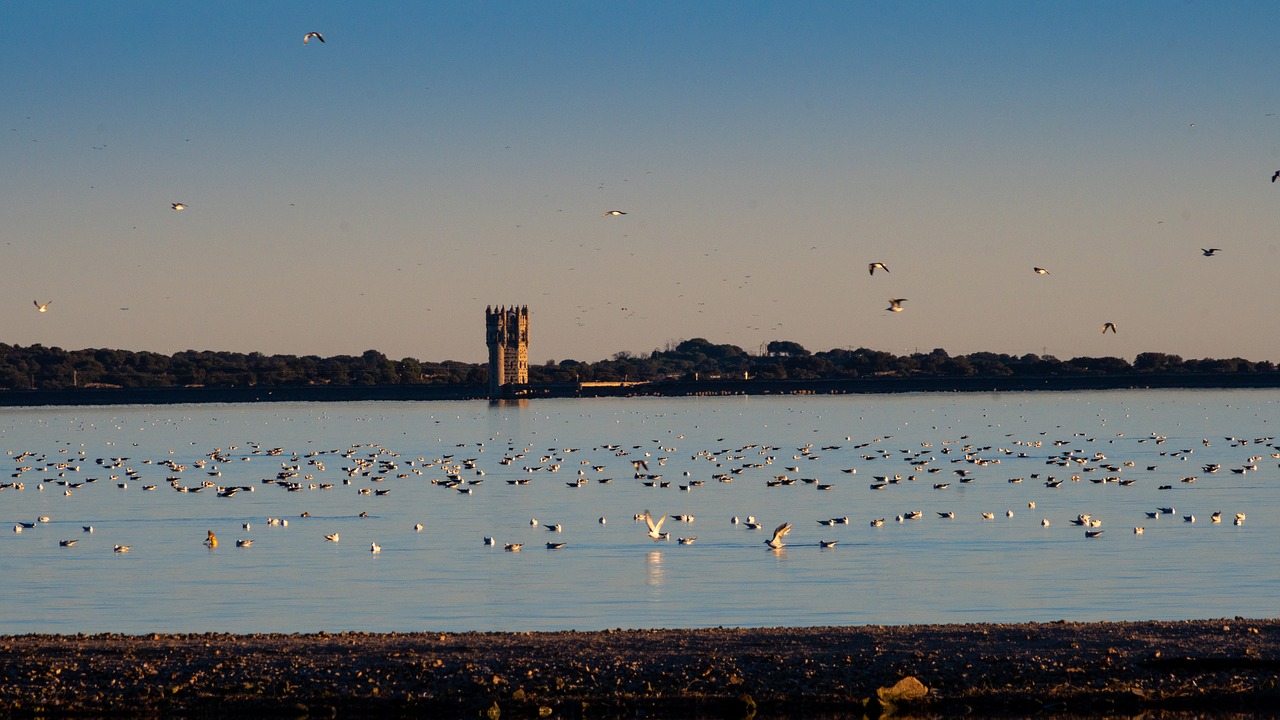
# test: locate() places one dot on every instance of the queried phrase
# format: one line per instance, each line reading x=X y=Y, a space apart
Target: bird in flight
x=1276 y=175
x=779 y=532
x=871 y=267
x=613 y=213
x=1208 y=252
x=895 y=304
x=307 y=38
x=655 y=528
x=1040 y=271
x=44 y=307
x=178 y=206
x=1109 y=326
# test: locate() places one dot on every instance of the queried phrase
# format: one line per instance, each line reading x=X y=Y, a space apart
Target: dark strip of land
x=1012 y=670
x=665 y=388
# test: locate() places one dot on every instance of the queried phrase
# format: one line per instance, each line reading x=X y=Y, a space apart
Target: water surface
x=608 y=575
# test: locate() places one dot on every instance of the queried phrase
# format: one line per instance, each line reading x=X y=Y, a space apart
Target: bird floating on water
x=895 y=304
x=307 y=38
x=375 y=548
x=122 y=548
x=871 y=267
x=332 y=538
x=211 y=540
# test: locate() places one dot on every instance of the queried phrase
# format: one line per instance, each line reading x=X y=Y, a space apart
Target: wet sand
x=1084 y=669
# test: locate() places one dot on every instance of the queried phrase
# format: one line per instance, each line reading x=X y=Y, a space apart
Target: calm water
x=611 y=575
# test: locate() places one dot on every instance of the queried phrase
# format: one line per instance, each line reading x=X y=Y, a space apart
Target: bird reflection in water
x=653 y=569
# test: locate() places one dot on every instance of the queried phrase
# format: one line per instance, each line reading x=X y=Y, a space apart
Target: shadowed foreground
x=1220 y=666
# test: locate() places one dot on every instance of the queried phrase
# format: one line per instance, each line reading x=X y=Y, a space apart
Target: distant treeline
x=52 y=368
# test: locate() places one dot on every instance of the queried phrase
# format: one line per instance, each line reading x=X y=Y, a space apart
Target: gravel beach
x=1220 y=667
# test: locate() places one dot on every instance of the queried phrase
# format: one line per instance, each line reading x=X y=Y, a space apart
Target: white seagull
x=655 y=529
x=178 y=206
x=779 y=532
x=307 y=38
x=871 y=267
x=895 y=304
x=44 y=307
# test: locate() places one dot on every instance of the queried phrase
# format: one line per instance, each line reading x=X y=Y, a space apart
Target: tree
x=786 y=348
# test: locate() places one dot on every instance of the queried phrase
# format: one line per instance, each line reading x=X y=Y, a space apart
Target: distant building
x=507 y=334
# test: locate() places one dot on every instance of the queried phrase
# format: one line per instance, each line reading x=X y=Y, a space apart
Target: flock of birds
x=375 y=471
x=895 y=304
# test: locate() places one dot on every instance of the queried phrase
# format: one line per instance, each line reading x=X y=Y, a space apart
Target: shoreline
x=1067 y=669
x=665 y=388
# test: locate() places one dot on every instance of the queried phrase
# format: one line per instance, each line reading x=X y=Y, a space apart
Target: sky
x=380 y=189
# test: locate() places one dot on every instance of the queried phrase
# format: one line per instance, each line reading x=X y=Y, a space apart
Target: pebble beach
x=1220 y=667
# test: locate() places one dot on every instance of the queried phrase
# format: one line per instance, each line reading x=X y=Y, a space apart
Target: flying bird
x=1276 y=175
x=1109 y=326
x=895 y=304
x=307 y=38
x=871 y=267
x=1208 y=252
x=613 y=213
x=1040 y=271
x=655 y=528
x=178 y=206
x=44 y=307
x=779 y=532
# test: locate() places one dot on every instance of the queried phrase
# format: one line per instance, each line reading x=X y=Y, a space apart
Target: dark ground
x=1218 y=668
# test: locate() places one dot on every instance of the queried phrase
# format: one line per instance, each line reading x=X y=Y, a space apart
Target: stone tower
x=507 y=333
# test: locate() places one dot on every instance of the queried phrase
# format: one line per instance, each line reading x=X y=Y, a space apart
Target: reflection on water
x=960 y=569
x=653 y=568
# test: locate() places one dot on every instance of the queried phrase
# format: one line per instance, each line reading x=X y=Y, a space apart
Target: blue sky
x=380 y=189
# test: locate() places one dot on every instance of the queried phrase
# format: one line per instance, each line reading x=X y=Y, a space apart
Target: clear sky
x=378 y=190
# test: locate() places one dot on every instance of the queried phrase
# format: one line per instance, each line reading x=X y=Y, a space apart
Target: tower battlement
x=507 y=334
